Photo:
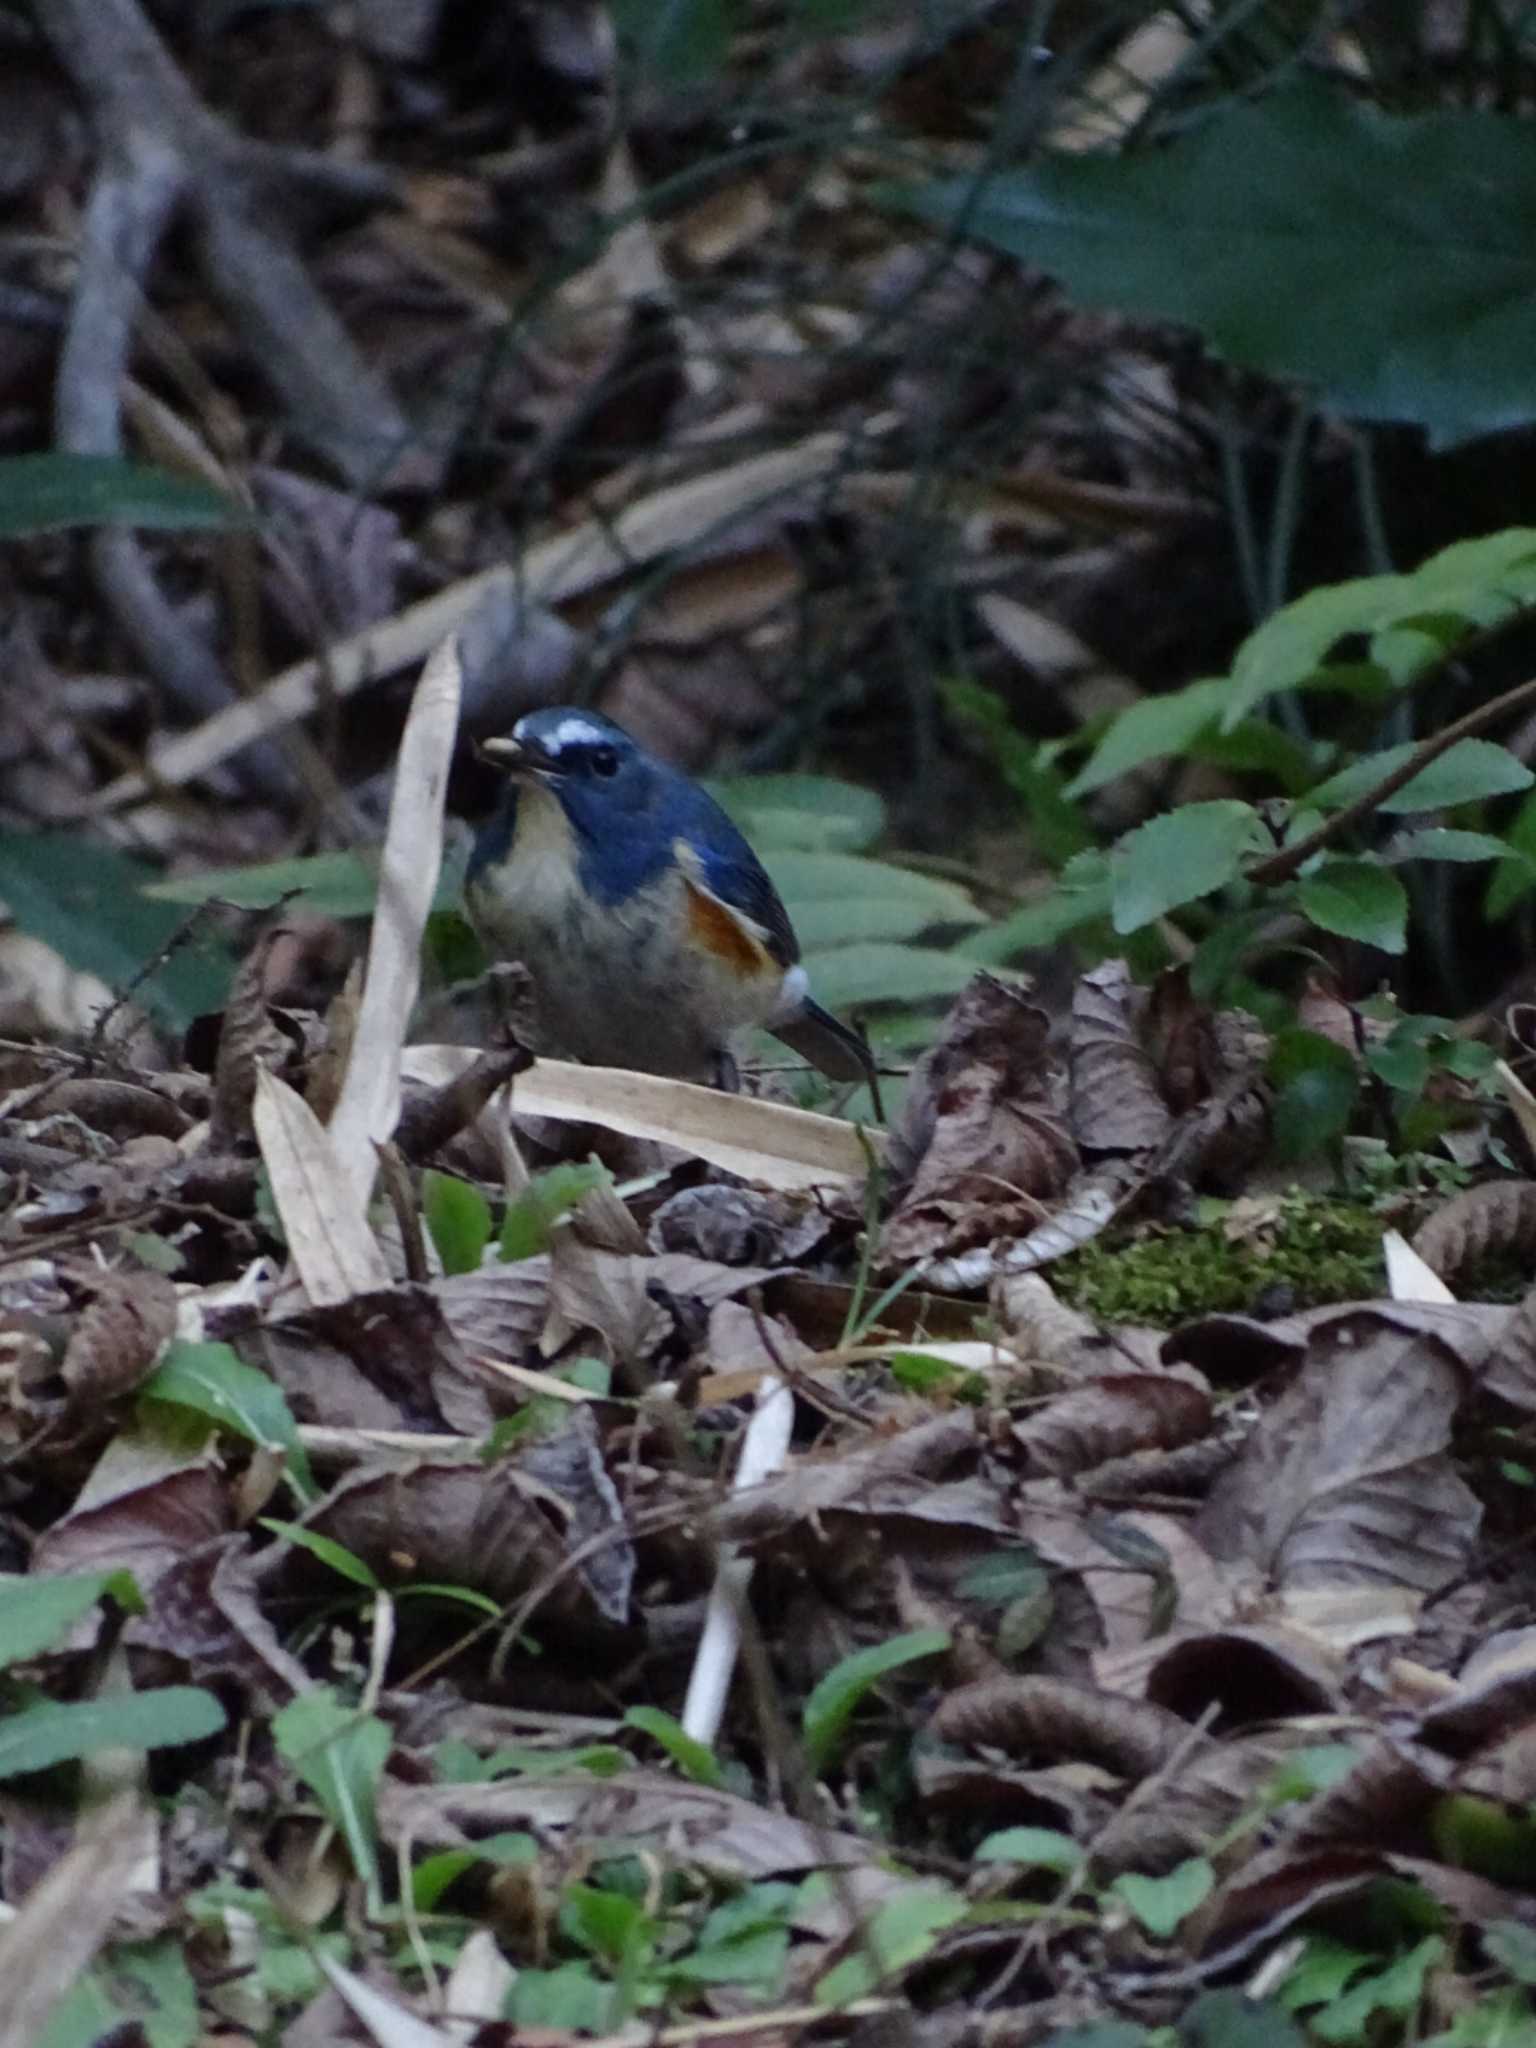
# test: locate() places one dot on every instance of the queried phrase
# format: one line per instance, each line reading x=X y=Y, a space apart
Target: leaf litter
x=1170 y=1664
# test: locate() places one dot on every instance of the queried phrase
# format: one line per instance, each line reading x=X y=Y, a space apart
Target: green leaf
x=210 y=1379
x=548 y=1196
x=813 y=813
x=696 y=1760
x=1057 y=826
x=53 y=1732
x=1316 y=1087
x=832 y=1702
x=85 y=900
x=900 y=1932
x=47 y=493
x=1099 y=2034
x=459 y=1218
x=1230 y=2019
x=1512 y=1945
x=1443 y=842
x=1082 y=896
x=875 y=972
x=342 y=884
x=328 y=1550
x=569 y=1998
x=834 y=899
x=1398 y=1990
x=1178 y=858
x=677 y=41
x=339 y=1753
x=36 y=1613
x=1148 y=731
x=1358 y=899
x=1468 y=773
x=1514 y=878
x=1161 y=1904
x=756 y=1958
x=1356 y=251
x=434 y=1874
x=1034 y=1848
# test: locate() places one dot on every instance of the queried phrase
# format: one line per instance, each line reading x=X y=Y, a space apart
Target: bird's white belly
x=616 y=985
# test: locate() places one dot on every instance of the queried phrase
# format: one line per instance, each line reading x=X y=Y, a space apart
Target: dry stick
x=1279 y=867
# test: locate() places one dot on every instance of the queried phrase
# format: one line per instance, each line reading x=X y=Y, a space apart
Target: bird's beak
x=515 y=757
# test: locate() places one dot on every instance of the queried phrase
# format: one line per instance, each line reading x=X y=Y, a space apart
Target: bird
x=648 y=927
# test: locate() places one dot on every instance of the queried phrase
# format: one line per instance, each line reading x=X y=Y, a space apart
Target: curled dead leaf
x=1046 y=1718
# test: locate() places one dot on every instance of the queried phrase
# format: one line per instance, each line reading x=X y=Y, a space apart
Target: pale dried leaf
x=335 y=1251
x=1116 y=1103
x=1499 y=1216
x=65 y=1920
x=369 y=1104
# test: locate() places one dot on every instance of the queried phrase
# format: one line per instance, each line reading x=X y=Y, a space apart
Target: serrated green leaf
x=1082 y=896
x=1148 y=731
x=85 y=899
x=1467 y=773
x=52 y=1732
x=37 y=1612
x=1177 y=859
x=899 y=1933
x=833 y=1700
x=1357 y=899
x=210 y=1379
x=48 y=493
x=1420 y=310
x=814 y=813
x=1161 y=1904
x=458 y=1217
x=1443 y=842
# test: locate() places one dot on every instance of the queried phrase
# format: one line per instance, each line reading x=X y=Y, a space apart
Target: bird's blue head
x=623 y=806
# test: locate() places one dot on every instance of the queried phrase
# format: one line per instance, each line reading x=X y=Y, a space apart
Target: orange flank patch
x=721 y=932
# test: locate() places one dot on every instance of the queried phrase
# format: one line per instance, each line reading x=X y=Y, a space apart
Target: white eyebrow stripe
x=572 y=732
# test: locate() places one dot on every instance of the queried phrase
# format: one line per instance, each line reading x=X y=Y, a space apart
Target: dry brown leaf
x=1498 y=1216
x=1049 y=1717
x=1348 y=1479
x=127 y=1320
x=1116 y=1102
x=981 y=1146
x=1118 y=1413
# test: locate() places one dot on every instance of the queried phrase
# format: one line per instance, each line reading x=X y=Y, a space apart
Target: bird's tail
x=821 y=1038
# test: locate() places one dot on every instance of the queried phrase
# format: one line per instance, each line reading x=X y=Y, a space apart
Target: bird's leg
x=724 y=1072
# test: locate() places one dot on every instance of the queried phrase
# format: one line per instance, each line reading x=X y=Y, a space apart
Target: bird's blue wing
x=731 y=871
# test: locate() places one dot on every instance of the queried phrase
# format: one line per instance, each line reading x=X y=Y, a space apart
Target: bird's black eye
x=604 y=761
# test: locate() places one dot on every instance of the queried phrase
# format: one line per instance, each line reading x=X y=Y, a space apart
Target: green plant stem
x=1281 y=866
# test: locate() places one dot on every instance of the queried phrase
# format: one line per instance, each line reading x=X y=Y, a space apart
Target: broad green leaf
x=1323 y=1971
x=458 y=1217
x=152 y=1981
x=85 y=899
x=210 y=1379
x=1316 y=1087
x=696 y=1760
x=1358 y=899
x=339 y=1753
x=1161 y=1904
x=1230 y=2019
x=900 y=1932
x=1317 y=1768
x=1082 y=896
x=1514 y=879
x=875 y=972
x=1512 y=1945
x=1444 y=842
x=570 y=1998
x=755 y=1958
x=813 y=813
x=342 y=884
x=835 y=899
x=1033 y=1848
x=37 y=1612
x=1308 y=235
x=548 y=1196
x=81 y=2017
x=1058 y=828
x=1178 y=858
x=1099 y=2034
x=832 y=1702
x=341 y=1560
x=53 y=1731
x=47 y=493
x=1466 y=774
x=1151 y=729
